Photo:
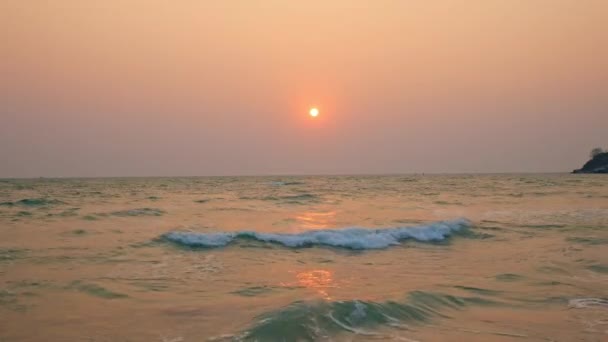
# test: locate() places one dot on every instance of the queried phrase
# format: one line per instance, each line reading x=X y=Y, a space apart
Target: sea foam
x=351 y=238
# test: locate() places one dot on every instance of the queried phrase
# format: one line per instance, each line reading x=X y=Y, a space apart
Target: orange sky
x=110 y=88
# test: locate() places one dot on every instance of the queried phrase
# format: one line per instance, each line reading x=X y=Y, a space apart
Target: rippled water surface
x=349 y=258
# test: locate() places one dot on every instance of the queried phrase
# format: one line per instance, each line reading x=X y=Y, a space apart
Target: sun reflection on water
x=317 y=220
x=318 y=280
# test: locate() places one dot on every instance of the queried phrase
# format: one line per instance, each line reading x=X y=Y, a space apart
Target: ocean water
x=344 y=258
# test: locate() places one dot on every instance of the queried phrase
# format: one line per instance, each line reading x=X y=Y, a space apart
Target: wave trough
x=351 y=238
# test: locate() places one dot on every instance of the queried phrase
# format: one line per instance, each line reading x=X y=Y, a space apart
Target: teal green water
x=340 y=258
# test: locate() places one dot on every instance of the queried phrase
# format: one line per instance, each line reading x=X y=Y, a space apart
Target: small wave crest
x=351 y=238
x=582 y=303
x=32 y=202
x=281 y=183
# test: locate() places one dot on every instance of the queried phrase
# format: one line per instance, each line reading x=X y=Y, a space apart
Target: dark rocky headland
x=597 y=164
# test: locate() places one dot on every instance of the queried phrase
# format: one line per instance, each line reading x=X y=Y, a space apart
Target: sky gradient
x=189 y=88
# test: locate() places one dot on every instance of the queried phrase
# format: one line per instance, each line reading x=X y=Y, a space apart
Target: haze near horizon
x=158 y=88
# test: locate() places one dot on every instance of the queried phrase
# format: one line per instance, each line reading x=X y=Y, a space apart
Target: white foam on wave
x=352 y=238
x=582 y=303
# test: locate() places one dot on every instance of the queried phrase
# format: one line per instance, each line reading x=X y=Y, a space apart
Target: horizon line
x=298 y=175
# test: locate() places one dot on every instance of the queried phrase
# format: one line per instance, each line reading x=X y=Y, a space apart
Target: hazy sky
x=145 y=87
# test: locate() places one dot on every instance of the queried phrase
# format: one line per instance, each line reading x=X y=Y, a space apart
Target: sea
x=491 y=257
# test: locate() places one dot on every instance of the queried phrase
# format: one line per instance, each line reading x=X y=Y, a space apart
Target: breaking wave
x=311 y=321
x=351 y=238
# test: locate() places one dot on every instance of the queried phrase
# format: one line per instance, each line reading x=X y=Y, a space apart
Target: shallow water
x=349 y=258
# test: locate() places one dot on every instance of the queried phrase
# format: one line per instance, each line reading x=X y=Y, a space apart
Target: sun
x=313 y=112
